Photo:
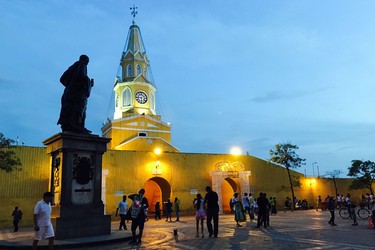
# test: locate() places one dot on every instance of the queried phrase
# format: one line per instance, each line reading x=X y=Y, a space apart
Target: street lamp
x=235 y=151
x=312 y=164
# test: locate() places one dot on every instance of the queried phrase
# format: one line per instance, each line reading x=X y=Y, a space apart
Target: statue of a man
x=74 y=100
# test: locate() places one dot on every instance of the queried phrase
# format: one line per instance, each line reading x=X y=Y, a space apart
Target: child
x=199 y=215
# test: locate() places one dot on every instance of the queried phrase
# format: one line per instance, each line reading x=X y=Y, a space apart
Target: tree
x=364 y=174
x=284 y=154
x=8 y=159
x=332 y=176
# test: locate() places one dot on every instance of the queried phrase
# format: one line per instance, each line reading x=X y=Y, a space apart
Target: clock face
x=141 y=97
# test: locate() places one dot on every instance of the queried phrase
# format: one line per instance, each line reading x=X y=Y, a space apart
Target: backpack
x=136 y=208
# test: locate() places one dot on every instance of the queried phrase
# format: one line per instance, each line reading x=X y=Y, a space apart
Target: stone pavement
x=297 y=230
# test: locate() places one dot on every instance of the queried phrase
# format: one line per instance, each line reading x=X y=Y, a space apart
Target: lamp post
x=312 y=164
x=317 y=167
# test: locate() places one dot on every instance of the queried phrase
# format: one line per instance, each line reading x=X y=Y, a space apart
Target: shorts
x=200 y=215
x=44 y=232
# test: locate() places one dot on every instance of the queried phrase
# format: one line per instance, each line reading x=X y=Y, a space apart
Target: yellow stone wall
x=128 y=171
x=25 y=187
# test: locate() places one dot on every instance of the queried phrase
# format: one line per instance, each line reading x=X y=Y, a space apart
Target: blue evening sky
x=229 y=73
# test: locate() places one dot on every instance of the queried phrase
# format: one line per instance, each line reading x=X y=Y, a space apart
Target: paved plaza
x=297 y=230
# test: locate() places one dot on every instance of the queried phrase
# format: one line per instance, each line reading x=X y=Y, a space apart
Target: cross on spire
x=133 y=12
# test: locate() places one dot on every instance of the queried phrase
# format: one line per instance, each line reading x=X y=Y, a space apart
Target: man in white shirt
x=122 y=207
x=245 y=203
x=42 y=221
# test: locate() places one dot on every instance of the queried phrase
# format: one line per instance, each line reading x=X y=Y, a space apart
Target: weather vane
x=134 y=12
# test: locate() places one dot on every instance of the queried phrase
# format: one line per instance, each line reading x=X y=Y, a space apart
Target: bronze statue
x=74 y=100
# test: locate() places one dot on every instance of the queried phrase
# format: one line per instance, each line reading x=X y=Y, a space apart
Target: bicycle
x=363 y=213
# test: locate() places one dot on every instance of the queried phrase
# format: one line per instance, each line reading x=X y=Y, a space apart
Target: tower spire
x=133 y=12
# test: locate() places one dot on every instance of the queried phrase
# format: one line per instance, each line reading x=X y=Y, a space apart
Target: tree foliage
x=8 y=159
x=332 y=176
x=285 y=154
x=364 y=174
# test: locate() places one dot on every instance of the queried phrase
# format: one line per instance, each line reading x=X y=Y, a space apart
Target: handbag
x=128 y=215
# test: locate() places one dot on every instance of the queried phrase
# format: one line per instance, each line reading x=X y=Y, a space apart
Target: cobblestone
x=297 y=230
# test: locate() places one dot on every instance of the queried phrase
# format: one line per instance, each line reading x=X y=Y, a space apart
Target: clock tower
x=135 y=124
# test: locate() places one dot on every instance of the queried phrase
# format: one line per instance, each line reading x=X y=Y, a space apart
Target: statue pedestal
x=76 y=182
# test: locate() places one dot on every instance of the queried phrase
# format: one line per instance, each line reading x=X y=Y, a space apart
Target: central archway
x=157 y=189
x=228 y=188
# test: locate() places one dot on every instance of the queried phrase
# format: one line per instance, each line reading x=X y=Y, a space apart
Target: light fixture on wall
x=156 y=170
x=312 y=182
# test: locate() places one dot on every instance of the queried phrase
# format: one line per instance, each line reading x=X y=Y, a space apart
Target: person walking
x=200 y=216
x=138 y=215
x=157 y=211
x=353 y=215
x=262 y=205
x=252 y=206
x=168 y=209
x=246 y=203
x=42 y=221
x=176 y=207
x=122 y=207
x=273 y=205
x=331 y=208
x=17 y=216
x=238 y=213
x=212 y=211
x=319 y=203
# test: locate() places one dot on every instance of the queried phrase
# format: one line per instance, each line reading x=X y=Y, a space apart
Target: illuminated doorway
x=228 y=188
x=157 y=190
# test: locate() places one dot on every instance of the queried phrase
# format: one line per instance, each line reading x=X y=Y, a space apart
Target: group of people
x=207 y=208
x=331 y=204
x=136 y=212
x=262 y=206
x=169 y=208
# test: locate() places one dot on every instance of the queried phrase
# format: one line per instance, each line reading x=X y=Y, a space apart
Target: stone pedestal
x=76 y=181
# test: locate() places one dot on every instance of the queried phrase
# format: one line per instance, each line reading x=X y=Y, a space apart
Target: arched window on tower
x=126 y=97
x=152 y=101
x=139 y=69
x=129 y=70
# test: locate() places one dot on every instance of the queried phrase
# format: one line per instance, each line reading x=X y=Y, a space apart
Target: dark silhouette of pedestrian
x=331 y=208
x=17 y=216
x=157 y=211
x=212 y=211
x=262 y=205
x=138 y=214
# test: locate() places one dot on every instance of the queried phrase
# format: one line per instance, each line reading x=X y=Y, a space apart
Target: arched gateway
x=157 y=189
x=225 y=172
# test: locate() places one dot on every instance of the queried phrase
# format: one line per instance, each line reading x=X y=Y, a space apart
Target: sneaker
x=210 y=235
x=132 y=242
